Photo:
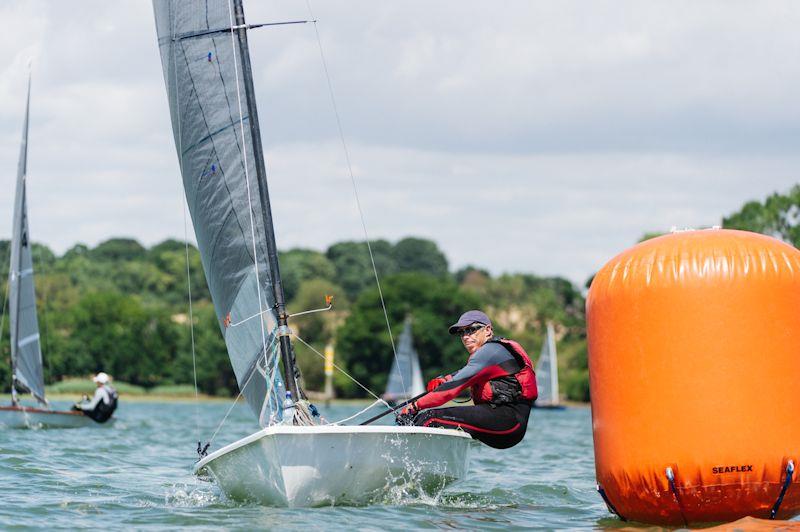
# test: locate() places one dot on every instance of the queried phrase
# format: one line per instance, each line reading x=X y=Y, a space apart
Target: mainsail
x=405 y=379
x=26 y=352
x=547 y=370
x=209 y=85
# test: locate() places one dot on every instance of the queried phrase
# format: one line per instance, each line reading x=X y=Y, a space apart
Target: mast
x=289 y=370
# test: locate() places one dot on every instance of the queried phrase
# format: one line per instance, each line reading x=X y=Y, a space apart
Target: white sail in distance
x=547 y=370
x=405 y=378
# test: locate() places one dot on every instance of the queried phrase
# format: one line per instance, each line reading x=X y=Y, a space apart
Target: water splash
x=186 y=496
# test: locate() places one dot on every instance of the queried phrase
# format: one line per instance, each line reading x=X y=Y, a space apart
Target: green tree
x=419 y=255
x=214 y=372
x=169 y=259
x=778 y=216
x=354 y=267
x=116 y=334
x=117 y=249
x=298 y=265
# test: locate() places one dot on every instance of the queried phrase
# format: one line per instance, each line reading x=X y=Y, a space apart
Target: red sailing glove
x=436 y=382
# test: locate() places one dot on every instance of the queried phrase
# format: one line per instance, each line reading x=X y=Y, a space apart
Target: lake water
x=137 y=474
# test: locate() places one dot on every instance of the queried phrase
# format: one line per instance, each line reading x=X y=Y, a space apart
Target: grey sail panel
x=546 y=370
x=203 y=76
x=405 y=378
x=26 y=351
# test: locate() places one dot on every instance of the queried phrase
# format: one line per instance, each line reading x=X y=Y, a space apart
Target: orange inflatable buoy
x=694 y=363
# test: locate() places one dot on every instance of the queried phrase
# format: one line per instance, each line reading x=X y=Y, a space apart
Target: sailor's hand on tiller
x=435 y=383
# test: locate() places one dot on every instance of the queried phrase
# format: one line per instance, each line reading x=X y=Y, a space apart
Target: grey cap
x=468 y=318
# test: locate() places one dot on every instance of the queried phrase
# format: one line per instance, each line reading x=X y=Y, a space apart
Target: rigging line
x=191 y=320
x=241 y=392
x=186 y=246
x=355 y=188
x=374 y=403
x=247 y=179
x=340 y=369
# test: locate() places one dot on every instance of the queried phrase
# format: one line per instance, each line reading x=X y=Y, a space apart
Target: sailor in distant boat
x=501 y=379
x=104 y=402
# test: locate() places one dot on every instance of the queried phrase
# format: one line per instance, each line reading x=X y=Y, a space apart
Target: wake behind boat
x=296 y=459
x=27 y=375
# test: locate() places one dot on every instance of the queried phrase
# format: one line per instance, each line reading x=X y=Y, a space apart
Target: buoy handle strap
x=610 y=506
x=671 y=478
x=786 y=483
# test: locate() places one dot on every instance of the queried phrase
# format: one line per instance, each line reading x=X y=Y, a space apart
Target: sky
x=520 y=136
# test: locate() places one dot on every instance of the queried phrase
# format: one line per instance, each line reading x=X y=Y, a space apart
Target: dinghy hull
x=323 y=465
x=21 y=417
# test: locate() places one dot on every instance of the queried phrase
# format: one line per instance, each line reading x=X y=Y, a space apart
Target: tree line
x=123 y=308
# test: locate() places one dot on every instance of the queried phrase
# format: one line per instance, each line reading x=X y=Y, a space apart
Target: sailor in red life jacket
x=501 y=380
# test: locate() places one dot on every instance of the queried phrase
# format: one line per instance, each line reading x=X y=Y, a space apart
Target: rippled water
x=137 y=474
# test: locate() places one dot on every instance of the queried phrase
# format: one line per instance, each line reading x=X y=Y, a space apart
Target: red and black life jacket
x=512 y=387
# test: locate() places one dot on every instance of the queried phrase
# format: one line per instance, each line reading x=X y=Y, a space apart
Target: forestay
x=405 y=379
x=26 y=352
x=203 y=71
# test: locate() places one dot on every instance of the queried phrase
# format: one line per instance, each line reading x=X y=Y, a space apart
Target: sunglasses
x=469 y=331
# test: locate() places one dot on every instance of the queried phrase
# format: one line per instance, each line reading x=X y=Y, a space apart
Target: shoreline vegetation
x=122 y=308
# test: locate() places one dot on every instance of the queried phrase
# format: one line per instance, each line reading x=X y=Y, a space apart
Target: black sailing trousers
x=498 y=426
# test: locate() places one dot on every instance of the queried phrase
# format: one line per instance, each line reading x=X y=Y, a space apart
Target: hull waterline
x=322 y=465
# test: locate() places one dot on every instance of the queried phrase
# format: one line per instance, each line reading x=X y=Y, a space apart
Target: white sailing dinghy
x=27 y=375
x=405 y=379
x=295 y=459
x=547 y=372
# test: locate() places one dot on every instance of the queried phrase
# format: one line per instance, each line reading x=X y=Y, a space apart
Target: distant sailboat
x=547 y=372
x=295 y=459
x=405 y=379
x=27 y=375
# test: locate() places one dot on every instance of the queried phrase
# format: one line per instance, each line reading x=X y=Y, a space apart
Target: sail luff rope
x=186 y=241
x=247 y=182
x=340 y=369
x=191 y=318
x=355 y=188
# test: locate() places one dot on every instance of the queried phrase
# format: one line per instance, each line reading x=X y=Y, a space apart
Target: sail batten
x=219 y=158
x=26 y=352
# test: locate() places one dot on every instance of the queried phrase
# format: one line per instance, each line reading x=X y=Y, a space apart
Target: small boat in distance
x=547 y=372
x=27 y=375
x=405 y=379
